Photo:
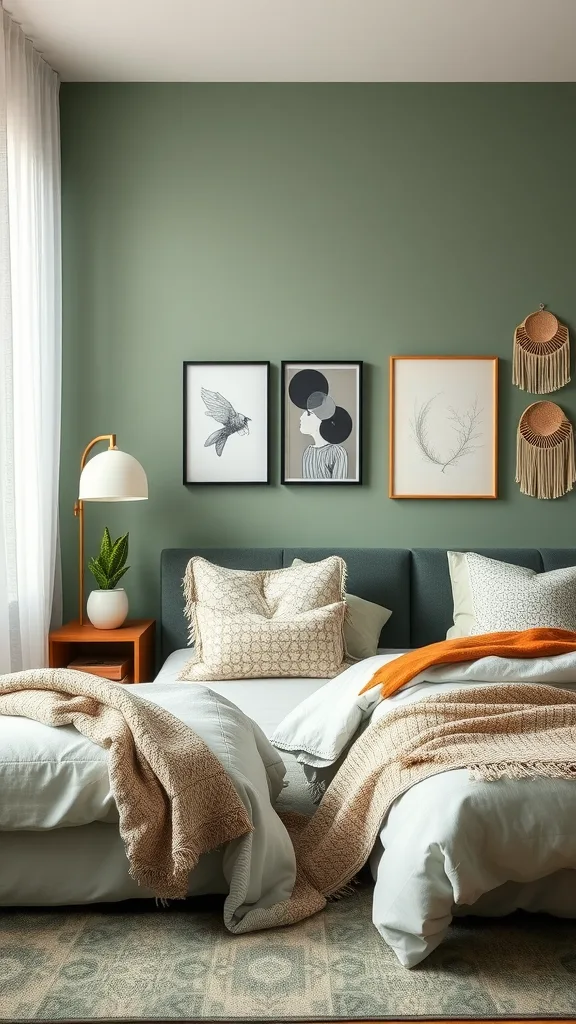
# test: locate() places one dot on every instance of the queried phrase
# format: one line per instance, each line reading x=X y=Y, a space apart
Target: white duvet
x=449 y=842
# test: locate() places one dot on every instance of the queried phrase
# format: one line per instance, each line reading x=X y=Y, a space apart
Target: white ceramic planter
x=107 y=609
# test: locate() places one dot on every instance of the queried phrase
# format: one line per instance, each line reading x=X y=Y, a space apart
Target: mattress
x=83 y=864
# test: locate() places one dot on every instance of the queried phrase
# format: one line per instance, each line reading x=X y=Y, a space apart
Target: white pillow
x=493 y=597
x=464 y=621
x=363 y=624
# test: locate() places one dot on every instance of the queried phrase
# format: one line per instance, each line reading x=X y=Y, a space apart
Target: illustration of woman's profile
x=327 y=423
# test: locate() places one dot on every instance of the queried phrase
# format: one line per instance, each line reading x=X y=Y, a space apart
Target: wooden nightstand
x=135 y=640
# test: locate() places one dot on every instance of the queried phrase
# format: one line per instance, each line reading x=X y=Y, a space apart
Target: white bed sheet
x=265 y=701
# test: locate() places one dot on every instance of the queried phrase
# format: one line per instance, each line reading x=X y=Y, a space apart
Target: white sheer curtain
x=30 y=347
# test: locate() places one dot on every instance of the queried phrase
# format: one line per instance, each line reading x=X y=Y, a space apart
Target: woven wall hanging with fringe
x=541 y=362
x=545 y=466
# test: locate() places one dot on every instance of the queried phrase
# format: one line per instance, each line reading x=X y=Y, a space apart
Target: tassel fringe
x=546 y=472
x=527 y=770
x=346 y=890
x=317 y=790
x=189 y=591
x=541 y=367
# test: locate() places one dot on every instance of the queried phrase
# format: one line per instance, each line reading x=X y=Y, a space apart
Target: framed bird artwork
x=226 y=423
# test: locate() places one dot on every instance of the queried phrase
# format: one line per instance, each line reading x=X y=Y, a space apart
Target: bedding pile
x=518 y=732
x=463 y=778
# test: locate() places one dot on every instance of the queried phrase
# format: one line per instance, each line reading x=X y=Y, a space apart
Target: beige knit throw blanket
x=175 y=800
x=517 y=730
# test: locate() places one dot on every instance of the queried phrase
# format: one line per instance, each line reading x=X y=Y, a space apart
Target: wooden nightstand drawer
x=108 y=666
x=131 y=644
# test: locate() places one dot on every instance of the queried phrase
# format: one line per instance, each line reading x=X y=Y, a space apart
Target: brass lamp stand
x=79 y=513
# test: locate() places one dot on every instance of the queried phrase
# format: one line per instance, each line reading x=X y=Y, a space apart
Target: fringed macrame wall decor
x=541 y=361
x=545 y=466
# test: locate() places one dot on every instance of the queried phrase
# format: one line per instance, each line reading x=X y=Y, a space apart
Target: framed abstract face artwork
x=226 y=423
x=321 y=422
x=443 y=427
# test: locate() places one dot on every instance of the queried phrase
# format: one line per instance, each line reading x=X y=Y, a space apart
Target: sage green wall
x=303 y=221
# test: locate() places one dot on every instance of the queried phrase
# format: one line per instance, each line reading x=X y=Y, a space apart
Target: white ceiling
x=304 y=40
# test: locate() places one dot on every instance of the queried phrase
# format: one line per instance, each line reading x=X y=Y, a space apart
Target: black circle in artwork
x=305 y=383
x=338 y=427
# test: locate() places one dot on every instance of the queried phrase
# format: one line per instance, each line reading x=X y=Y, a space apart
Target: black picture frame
x=188 y=478
x=288 y=477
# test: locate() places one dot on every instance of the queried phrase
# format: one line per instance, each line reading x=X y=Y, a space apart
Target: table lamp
x=110 y=476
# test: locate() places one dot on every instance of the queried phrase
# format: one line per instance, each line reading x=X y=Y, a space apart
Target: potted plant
x=107 y=607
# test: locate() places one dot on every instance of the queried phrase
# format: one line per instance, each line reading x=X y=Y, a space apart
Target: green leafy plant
x=110 y=566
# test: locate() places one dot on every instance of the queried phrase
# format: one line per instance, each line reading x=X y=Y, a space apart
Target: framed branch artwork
x=226 y=423
x=321 y=422
x=443 y=427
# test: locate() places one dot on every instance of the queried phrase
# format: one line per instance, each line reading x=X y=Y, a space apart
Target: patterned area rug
x=134 y=961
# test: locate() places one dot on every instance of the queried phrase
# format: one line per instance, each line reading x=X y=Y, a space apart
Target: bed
x=87 y=863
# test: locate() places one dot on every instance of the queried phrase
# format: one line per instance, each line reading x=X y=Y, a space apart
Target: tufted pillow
x=492 y=596
x=254 y=625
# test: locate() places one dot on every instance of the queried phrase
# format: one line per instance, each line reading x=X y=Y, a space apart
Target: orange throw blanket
x=528 y=643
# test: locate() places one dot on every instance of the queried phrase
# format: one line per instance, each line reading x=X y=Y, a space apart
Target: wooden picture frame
x=443 y=441
x=321 y=422
x=226 y=422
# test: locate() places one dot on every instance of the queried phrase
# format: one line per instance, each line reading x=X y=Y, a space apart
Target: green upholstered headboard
x=414 y=583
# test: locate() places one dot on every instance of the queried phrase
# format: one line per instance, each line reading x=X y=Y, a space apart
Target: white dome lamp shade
x=113 y=475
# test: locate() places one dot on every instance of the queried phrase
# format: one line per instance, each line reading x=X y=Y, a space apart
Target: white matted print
x=226 y=423
x=443 y=427
x=322 y=422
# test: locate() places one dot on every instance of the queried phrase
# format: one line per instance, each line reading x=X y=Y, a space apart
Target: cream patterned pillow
x=505 y=597
x=270 y=623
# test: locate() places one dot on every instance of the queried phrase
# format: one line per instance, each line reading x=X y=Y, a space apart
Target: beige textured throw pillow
x=270 y=623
